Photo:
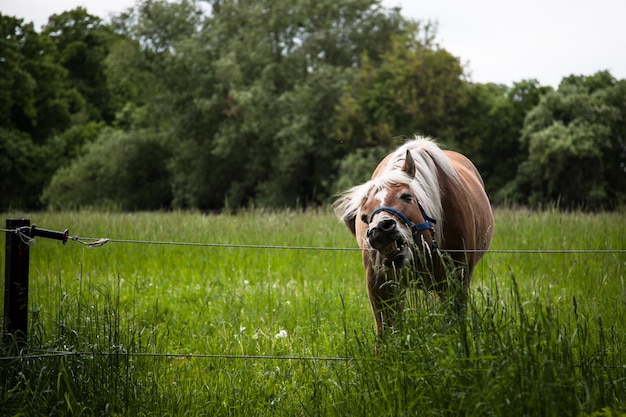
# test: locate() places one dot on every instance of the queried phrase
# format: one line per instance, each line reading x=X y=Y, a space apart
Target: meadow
x=265 y=313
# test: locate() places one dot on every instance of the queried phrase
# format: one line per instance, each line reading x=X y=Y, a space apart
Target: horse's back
x=472 y=209
x=464 y=167
x=382 y=166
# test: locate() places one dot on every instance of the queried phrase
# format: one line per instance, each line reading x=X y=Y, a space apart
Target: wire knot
x=90 y=242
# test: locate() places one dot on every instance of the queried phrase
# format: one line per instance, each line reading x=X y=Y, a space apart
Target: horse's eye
x=364 y=219
x=406 y=197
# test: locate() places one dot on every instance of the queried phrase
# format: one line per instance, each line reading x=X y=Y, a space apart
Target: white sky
x=500 y=41
x=505 y=41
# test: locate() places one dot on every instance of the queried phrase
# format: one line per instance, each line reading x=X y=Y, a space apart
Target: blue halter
x=413 y=227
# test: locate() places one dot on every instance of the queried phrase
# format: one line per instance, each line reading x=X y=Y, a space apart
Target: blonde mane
x=429 y=158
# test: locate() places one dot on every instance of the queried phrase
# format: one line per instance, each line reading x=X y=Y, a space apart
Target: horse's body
x=422 y=205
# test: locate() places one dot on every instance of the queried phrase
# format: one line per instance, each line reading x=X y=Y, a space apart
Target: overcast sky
x=500 y=41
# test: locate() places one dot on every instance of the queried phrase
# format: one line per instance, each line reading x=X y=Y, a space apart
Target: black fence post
x=16 y=283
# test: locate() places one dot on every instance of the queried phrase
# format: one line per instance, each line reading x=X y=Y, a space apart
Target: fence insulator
x=50 y=234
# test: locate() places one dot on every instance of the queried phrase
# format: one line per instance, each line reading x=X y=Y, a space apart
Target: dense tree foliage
x=415 y=87
x=45 y=116
x=36 y=102
x=119 y=170
x=82 y=42
x=223 y=104
x=576 y=140
x=488 y=129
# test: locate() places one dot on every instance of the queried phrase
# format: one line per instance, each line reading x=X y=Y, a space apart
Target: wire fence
x=91 y=242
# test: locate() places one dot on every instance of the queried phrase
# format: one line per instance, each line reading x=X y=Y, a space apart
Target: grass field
x=255 y=330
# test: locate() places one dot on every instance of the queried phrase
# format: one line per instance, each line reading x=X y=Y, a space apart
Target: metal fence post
x=16 y=283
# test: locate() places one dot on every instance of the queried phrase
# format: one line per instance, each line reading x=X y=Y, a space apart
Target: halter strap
x=414 y=227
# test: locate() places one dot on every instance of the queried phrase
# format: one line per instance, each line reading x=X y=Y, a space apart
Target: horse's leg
x=387 y=301
x=451 y=283
x=459 y=291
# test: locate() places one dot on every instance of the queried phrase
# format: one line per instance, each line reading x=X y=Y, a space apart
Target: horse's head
x=391 y=219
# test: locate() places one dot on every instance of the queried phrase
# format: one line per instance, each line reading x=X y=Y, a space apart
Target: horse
x=423 y=216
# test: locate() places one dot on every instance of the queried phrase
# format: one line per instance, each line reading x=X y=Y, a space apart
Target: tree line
x=224 y=104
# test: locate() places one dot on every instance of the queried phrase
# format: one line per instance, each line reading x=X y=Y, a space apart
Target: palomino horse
x=423 y=213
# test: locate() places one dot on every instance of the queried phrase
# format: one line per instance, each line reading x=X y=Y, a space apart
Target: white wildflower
x=282 y=334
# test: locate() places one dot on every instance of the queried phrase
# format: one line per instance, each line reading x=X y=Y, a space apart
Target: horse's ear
x=348 y=216
x=409 y=164
x=350 y=222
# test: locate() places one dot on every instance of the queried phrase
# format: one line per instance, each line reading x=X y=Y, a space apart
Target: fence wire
x=46 y=354
x=42 y=354
x=92 y=242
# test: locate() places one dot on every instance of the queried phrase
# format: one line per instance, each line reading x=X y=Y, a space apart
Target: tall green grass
x=193 y=330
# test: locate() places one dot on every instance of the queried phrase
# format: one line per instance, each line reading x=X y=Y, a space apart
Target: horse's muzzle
x=387 y=239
